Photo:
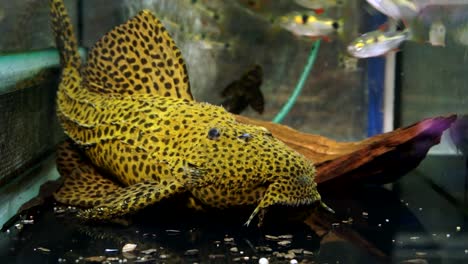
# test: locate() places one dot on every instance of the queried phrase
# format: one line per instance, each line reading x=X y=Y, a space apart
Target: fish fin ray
x=319 y=11
x=80 y=179
x=138 y=57
x=131 y=199
x=65 y=38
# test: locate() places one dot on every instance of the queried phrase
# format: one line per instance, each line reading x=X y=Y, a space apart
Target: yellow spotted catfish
x=137 y=135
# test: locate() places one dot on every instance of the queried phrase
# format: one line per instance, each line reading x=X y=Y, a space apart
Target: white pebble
x=293 y=261
x=458 y=228
x=42 y=249
x=263 y=261
x=234 y=249
x=270 y=237
x=296 y=251
x=149 y=251
x=284 y=243
x=191 y=252
x=129 y=247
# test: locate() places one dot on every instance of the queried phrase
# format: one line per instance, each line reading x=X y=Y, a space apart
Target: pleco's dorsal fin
x=138 y=57
x=64 y=37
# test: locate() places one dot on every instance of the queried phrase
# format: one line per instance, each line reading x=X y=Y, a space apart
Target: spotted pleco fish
x=138 y=136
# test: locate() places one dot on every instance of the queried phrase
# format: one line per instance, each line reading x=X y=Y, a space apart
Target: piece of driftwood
x=379 y=159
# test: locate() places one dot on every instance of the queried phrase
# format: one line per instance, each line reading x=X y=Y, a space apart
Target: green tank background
x=219 y=40
x=28 y=80
x=430 y=80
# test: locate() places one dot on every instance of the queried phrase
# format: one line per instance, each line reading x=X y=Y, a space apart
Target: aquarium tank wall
x=310 y=81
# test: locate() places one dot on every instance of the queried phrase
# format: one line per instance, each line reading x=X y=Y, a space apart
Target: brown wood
x=379 y=159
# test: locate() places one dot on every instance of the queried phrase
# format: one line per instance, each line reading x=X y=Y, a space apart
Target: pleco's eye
x=245 y=136
x=214 y=133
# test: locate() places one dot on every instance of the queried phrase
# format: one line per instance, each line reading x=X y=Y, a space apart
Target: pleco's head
x=219 y=147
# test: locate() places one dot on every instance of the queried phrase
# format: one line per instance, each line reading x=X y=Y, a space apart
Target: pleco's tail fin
x=65 y=38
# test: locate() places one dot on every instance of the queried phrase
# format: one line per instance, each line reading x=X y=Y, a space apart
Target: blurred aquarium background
x=343 y=98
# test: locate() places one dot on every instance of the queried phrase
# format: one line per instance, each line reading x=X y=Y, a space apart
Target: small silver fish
x=319 y=5
x=437 y=34
x=396 y=9
x=377 y=43
x=307 y=24
x=460 y=35
x=425 y=3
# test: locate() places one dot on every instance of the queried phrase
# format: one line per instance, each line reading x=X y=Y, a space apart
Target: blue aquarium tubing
x=300 y=84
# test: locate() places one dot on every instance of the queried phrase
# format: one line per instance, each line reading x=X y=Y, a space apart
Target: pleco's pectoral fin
x=68 y=158
x=131 y=199
x=137 y=58
x=261 y=208
x=273 y=196
x=326 y=207
x=83 y=185
x=193 y=174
